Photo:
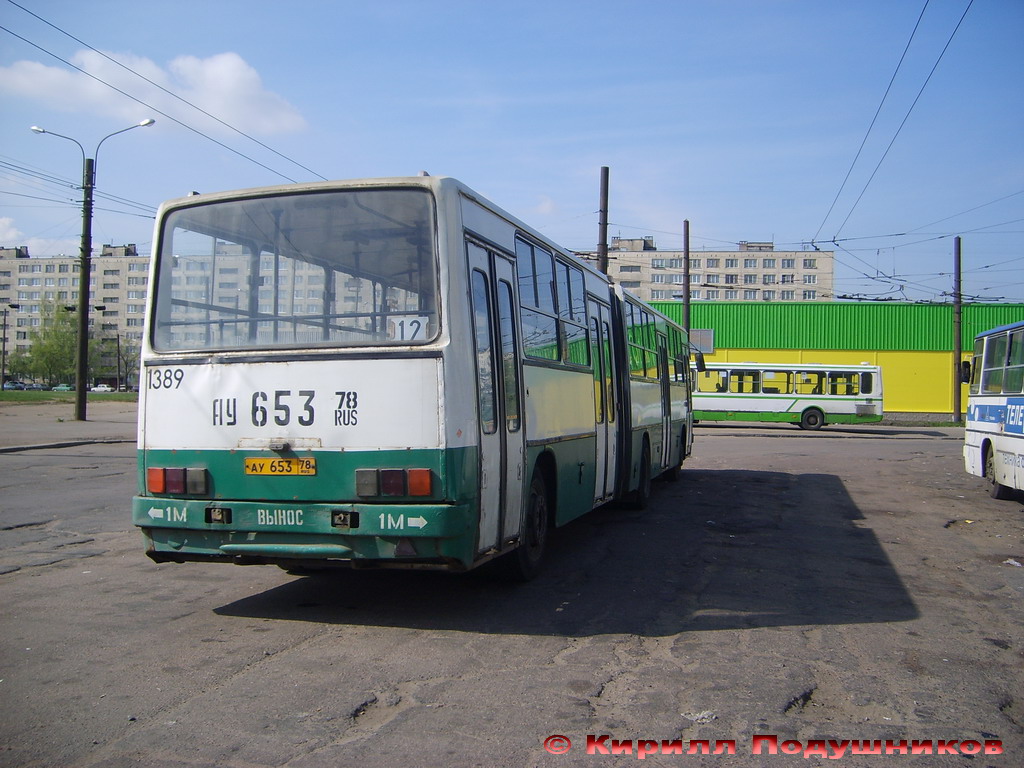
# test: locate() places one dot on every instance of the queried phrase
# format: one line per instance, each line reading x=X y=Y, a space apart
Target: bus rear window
x=349 y=268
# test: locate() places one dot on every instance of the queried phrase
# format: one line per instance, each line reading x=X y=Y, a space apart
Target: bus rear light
x=177 y=480
x=394 y=482
x=419 y=482
x=155 y=480
x=366 y=482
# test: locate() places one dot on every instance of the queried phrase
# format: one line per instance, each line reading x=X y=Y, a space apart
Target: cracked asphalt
x=846 y=584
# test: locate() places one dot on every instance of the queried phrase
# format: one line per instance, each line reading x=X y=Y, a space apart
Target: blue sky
x=743 y=116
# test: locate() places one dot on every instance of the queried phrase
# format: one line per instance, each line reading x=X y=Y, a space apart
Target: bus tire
x=995 y=489
x=642 y=495
x=812 y=418
x=525 y=561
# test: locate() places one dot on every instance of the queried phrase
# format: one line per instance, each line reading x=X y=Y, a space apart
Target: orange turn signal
x=419 y=482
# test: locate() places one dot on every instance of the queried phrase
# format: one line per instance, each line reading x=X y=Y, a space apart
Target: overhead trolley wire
x=150 y=106
x=873 y=121
x=905 y=118
x=169 y=93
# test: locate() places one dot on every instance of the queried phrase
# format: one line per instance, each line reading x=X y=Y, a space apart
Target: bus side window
x=777 y=383
x=979 y=347
x=994 y=364
x=867 y=383
x=842 y=383
x=712 y=381
x=810 y=383
x=745 y=382
x=1014 y=379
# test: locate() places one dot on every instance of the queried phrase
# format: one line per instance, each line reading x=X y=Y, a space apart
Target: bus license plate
x=262 y=466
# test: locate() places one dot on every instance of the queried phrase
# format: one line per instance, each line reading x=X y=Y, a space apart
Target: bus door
x=605 y=406
x=496 y=348
x=666 y=401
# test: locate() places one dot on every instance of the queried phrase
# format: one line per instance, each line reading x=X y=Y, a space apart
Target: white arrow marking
x=156 y=512
x=417 y=522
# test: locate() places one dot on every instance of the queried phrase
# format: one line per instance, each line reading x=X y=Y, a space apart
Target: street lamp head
x=147 y=122
x=37 y=129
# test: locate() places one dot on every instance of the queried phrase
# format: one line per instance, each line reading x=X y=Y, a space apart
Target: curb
x=65 y=444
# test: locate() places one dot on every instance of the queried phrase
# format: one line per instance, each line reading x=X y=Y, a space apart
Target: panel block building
x=754 y=272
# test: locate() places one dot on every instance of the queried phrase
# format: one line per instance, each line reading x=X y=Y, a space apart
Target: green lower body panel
x=785 y=418
x=249 y=532
x=247 y=518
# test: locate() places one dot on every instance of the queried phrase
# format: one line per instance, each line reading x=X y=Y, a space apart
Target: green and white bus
x=994 y=434
x=389 y=373
x=807 y=395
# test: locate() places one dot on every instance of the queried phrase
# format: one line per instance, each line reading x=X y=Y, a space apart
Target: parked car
x=63 y=388
x=35 y=387
x=103 y=388
x=13 y=385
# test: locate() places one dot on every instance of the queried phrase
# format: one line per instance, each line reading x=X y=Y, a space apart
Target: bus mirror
x=698 y=359
x=965 y=371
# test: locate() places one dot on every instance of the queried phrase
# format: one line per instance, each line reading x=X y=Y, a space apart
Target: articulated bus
x=807 y=395
x=389 y=373
x=994 y=436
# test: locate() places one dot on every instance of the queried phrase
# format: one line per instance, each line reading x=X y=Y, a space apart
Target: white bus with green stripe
x=803 y=394
x=389 y=373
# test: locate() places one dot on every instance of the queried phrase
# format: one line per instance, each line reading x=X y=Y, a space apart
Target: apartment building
x=117 y=292
x=754 y=272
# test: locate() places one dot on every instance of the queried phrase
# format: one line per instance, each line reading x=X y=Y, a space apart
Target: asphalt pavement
x=46 y=425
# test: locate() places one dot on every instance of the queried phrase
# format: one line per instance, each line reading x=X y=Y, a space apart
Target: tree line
x=50 y=358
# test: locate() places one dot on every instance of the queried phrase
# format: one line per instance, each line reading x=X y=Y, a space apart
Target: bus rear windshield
x=349 y=268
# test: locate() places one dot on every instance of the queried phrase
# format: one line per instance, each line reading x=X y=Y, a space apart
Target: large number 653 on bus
x=389 y=373
x=994 y=434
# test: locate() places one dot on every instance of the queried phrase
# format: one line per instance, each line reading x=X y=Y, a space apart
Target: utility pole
x=84 y=278
x=84 y=262
x=958 y=351
x=602 y=225
x=686 y=276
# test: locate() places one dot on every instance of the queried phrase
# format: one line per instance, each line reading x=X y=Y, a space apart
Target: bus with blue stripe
x=994 y=433
x=389 y=373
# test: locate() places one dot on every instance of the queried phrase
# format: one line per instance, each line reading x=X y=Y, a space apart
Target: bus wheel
x=812 y=419
x=642 y=495
x=995 y=489
x=524 y=562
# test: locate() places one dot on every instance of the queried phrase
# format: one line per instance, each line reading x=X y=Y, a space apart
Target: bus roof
x=1001 y=329
x=423 y=181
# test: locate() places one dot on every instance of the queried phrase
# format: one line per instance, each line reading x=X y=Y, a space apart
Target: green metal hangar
x=913 y=343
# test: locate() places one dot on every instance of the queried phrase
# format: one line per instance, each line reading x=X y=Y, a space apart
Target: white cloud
x=9 y=234
x=224 y=85
x=545 y=207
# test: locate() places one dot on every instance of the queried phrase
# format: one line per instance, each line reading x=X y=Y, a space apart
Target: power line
x=150 y=106
x=905 y=118
x=873 y=120
x=168 y=92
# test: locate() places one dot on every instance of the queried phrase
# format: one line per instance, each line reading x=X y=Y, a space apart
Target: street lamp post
x=85 y=256
x=3 y=354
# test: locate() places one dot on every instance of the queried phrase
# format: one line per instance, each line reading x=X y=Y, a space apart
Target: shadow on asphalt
x=716 y=550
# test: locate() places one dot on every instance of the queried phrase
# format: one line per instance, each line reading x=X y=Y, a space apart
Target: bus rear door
x=502 y=449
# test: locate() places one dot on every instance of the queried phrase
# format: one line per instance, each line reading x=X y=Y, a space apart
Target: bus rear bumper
x=249 y=533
